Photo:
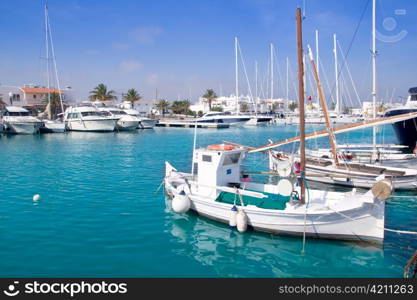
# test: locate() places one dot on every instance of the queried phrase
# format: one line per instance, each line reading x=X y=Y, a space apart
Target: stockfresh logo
x=12 y=290
x=72 y=289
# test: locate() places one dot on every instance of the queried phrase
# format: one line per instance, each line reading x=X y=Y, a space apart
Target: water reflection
x=253 y=254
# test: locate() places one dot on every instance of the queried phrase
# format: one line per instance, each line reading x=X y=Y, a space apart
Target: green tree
x=210 y=95
x=292 y=106
x=274 y=106
x=55 y=105
x=101 y=93
x=163 y=106
x=217 y=108
x=132 y=96
x=181 y=107
x=2 y=104
x=244 y=107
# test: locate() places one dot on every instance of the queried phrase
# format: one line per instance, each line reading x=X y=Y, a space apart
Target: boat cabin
x=217 y=165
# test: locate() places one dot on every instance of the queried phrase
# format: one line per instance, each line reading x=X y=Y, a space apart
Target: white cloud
x=145 y=35
x=130 y=66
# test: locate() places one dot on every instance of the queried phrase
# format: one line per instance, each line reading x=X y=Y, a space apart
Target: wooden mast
x=324 y=107
x=301 y=100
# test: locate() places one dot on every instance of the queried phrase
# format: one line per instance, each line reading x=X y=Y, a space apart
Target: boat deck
x=273 y=201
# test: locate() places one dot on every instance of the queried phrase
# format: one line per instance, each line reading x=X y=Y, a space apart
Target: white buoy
x=36 y=197
x=181 y=203
x=241 y=221
x=233 y=215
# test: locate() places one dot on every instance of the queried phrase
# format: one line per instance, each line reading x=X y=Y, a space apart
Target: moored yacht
x=406 y=131
x=144 y=122
x=125 y=121
x=17 y=120
x=88 y=118
x=234 y=119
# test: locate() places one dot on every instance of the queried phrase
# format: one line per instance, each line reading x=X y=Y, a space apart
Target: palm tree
x=292 y=106
x=210 y=95
x=55 y=104
x=181 y=107
x=132 y=96
x=100 y=93
x=2 y=104
x=244 y=107
x=162 y=105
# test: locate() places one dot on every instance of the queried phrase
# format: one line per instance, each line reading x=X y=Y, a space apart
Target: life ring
x=221 y=147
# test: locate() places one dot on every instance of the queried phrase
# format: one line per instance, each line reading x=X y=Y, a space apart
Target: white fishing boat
x=144 y=122
x=215 y=188
x=17 y=120
x=217 y=191
x=125 y=122
x=344 y=173
x=88 y=118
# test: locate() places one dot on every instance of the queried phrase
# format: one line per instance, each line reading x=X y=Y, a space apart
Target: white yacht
x=17 y=120
x=144 y=122
x=125 y=121
x=88 y=118
x=234 y=119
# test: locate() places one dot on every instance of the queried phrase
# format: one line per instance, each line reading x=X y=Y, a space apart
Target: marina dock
x=188 y=124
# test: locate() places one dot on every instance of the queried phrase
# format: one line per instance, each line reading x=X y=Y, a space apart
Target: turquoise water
x=100 y=214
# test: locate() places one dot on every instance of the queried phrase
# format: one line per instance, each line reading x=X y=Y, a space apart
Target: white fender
x=233 y=217
x=241 y=221
x=181 y=203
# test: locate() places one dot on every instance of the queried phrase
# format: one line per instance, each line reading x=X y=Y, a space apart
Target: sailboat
x=51 y=126
x=338 y=169
x=216 y=189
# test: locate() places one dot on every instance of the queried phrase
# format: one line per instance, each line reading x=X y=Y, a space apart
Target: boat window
x=206 y=158
x=105 y=113
x=230 y=159
x=16 y=114
x=414 y=97
x=90 y=113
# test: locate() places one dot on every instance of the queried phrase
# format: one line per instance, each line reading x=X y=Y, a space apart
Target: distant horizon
x=184 y=47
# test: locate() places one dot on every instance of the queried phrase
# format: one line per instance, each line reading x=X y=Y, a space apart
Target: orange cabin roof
x=40 y=90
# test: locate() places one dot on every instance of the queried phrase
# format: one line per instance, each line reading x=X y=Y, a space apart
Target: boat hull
x=126 y=125
x=54 y=127
x=22 y=127
x=406 y=131
x=362 y=224
x=100 y=125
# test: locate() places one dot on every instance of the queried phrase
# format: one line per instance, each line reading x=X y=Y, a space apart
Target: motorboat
x=144 y=122
x=234 y=119
x=125 y=122
x=88 y=118
x=17 y=120
x=406 y=131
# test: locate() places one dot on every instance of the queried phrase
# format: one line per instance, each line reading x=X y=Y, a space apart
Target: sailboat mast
x=272 y=71
x=324 y=107
x=49 y=111
x=256 y=86
x=317 y=57
x=336 y=74
x=288 y=73
x=236 y=78
x=374 y=71
x=301 y=100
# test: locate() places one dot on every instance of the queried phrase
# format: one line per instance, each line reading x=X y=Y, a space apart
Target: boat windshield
x=16 y=114
x=118 y=112
x=90 y=113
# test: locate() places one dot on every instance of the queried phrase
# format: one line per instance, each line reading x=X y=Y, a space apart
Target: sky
x=183 y=47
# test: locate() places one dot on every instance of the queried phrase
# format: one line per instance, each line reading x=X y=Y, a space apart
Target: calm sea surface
x=101 y=214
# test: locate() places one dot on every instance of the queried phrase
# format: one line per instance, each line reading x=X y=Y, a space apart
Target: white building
x=229 y=104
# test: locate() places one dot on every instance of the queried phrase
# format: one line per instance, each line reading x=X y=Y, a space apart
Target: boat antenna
x=301 y=101
x=237 y=77
x=374 y=52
